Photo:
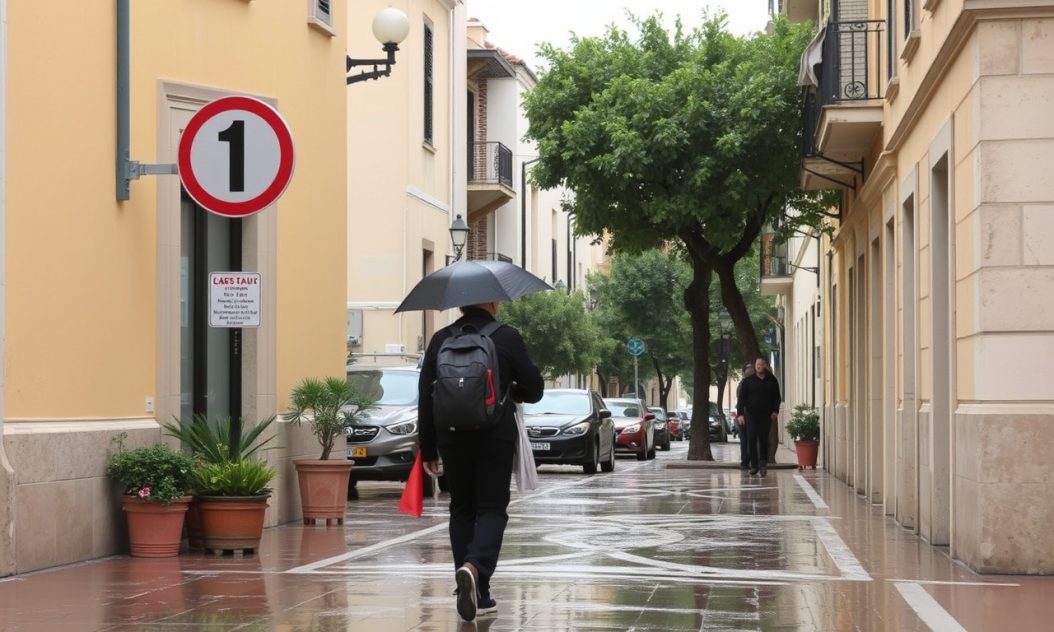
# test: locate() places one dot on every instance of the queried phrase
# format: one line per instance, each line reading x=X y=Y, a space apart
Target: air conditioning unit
x=320 y=14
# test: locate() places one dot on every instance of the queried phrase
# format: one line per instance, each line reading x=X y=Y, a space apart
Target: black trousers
x=757 y=434
x=478 y=470
x=744 y=450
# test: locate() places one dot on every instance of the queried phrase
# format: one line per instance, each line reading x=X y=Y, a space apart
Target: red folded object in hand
x=413 y=501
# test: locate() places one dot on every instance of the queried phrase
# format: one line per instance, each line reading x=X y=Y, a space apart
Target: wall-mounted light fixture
x=459 y=237
x=390 y=27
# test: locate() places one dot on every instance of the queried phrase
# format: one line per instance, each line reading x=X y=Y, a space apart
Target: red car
x=673 y=422
x=635 y=427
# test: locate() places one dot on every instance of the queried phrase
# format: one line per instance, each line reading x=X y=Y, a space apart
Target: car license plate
x=356 y=453
x=540 y=447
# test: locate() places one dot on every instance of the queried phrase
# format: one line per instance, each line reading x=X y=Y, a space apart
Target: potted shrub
x=232 y=500
x=209 y=439
x=329 y=406
x=804 y=428
x=156 y=482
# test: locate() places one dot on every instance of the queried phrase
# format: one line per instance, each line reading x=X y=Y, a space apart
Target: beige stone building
x=933 y=118
x=106 y=306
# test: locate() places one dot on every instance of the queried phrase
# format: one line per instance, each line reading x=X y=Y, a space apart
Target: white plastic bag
x=523 y=458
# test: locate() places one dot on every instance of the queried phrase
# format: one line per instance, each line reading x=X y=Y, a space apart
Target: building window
x=428 y=135
x=910 y=18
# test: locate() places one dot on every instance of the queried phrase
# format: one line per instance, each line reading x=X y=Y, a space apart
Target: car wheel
x=643 y=454
x=651 y=452
x=591 y=467
x=666 y=446
x=609 y=465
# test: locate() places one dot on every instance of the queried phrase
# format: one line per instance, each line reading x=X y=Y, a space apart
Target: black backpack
x=465 y=395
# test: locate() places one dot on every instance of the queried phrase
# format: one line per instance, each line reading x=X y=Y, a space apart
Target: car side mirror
x=649 y=416
x=605 y=413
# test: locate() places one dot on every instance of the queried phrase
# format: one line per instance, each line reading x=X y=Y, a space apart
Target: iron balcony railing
x=490 y=163
x=773 y=257
x=850 y=70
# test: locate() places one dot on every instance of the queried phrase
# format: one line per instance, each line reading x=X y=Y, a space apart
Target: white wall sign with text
x=234 y=299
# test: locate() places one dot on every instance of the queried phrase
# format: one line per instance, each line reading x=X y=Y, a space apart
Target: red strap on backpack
x=492 y=397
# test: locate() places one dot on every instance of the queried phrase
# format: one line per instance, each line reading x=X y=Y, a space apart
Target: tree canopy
x=687 y=135
x=560 y=337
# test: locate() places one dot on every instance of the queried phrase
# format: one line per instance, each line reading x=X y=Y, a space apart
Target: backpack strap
x=488 y=331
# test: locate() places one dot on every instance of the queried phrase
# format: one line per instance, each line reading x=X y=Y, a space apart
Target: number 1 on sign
x=234 y=135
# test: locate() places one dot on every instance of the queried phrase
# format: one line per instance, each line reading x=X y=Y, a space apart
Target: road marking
x=840 y=553
x=927 y=608
x=950 y=583
x=817 y=501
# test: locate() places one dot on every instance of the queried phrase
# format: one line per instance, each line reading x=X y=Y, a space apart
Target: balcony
x=776 y=275
x=489 y=178
x=842 y=110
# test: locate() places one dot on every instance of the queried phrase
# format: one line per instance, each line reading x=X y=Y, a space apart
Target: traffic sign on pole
x=635 y=346
x=236 y=156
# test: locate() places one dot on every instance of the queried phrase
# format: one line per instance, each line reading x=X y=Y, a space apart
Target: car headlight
x=577 y=429
x=632 y=429
x=403 y=427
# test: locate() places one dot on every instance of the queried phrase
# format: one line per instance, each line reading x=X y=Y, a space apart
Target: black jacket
x=514 y=365
x=758 y=397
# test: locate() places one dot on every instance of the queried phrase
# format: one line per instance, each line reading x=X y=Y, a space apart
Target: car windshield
x=559 y=403
x=386 y=388
x=622 y=409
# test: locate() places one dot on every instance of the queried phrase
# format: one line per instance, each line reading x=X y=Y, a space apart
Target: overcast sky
x=517 y=26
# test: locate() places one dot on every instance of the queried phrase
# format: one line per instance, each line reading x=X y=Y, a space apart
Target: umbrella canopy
x=471 y=283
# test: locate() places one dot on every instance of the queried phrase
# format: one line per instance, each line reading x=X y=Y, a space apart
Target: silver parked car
x=384 y=448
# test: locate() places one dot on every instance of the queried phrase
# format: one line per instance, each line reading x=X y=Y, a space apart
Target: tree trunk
x=697 y=300
x=732 y=299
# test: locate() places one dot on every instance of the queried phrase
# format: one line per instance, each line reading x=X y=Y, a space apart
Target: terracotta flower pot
x=154 y=530
x=323 y=489
x=807 y=450
x=232 y=522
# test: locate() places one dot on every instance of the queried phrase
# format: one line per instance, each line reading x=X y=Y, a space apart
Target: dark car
x=571 y=427
x=384 y=448
x=662 y=430
x=635 y=427
x=686 y=423
x=718 y=430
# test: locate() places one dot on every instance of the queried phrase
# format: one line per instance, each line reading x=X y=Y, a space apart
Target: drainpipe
x=127 y=169
x=523 y=210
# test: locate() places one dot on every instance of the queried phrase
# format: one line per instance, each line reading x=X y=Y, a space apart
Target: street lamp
x=390 y=27
x=458 y=236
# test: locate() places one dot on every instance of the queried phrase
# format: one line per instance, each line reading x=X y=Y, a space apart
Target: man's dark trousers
x=744 y=449
x=478 y=471
x=757 y=431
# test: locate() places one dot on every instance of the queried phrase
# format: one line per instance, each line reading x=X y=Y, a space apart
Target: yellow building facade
x=933 y=119
x=105 y=323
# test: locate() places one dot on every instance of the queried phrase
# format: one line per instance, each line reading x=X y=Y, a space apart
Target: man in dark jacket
x=758 y=406
x=477 y=464
x=744 y=453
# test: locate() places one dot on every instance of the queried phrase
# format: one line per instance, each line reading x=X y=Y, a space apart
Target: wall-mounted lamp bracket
x=377 y=71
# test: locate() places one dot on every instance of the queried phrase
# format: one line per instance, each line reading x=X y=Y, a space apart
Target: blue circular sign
x=635 y=346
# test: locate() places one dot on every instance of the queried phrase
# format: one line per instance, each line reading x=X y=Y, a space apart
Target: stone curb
x=722 y=465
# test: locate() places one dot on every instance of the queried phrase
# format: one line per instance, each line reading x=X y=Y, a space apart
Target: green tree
x=559 y=335
x=682 y=135
x=641 y=297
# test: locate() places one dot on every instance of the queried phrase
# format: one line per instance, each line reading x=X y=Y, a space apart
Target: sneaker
x=486 y=605
x=753 y=471
x=465 y=577
x=764 y=472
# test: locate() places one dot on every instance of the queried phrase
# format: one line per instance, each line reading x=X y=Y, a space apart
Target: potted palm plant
x=211 y=441
x=804 y=428
x=232 y=499
x=329 y=406
x=156 y=482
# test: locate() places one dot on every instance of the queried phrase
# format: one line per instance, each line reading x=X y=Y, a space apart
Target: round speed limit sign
x=236 y=156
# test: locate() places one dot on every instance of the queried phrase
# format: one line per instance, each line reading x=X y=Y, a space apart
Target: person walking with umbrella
x=477 y=464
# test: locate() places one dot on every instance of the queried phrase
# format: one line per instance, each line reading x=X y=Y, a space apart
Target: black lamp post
x=459 y=237
x=390 y=27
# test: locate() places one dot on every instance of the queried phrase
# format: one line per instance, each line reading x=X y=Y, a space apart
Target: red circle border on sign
x=285 y=164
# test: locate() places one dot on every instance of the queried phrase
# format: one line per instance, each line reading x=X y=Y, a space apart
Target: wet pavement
x=646 y=548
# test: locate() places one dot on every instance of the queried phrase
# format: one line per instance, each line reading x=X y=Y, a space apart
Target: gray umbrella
x=471 y=283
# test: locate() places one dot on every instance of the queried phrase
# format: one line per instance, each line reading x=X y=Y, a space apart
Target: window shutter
x=428 y=85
